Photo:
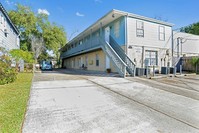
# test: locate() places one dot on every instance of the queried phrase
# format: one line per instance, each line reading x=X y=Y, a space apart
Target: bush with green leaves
x=195 y=63
x=7 y=73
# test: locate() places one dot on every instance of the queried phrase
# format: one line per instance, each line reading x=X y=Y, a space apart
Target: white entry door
x=107 y=34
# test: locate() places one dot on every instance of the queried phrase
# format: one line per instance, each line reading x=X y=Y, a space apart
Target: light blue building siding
x=79 y=45
x=117 y=30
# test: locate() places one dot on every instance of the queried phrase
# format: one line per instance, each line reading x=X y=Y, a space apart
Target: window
x=140 y=29
x=161 y=33
x=97 y=60
x=5 y=22
x=151 y=58
x=18 y=41
x=80 y=42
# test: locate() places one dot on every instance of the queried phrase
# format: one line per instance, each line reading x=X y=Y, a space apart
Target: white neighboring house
x=185 y=44
x=9 y=34
x=185 y=47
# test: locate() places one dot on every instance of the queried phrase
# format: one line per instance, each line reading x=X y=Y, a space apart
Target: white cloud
x=98 y=1
x=43 y=11
x=9 y=2
x=79 y=14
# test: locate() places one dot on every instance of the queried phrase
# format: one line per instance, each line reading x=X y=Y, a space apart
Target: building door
x=86 y=61
x=107 y=35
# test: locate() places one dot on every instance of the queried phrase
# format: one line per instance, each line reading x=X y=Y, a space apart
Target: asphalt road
x=66 y=101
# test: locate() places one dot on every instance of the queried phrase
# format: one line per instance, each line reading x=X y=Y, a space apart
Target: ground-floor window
x=97 y=60
x=151 y=58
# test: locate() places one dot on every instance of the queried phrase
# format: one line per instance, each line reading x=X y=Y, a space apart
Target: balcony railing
x=89 y=44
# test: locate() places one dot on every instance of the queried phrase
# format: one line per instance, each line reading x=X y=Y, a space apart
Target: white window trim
x=162 y=33
x=156 y=57
x=137 y=29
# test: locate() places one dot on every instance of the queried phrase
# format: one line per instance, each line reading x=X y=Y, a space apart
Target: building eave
x=143 y=18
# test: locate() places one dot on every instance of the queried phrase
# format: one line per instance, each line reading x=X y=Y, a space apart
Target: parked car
x=46 y=65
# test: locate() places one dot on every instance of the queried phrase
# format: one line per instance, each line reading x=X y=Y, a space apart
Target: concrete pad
x=171 y=104
x=83 y=106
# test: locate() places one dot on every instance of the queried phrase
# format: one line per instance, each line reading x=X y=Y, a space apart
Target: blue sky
x=77 y=15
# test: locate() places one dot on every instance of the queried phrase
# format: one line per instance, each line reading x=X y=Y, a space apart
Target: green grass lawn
x=13 y=102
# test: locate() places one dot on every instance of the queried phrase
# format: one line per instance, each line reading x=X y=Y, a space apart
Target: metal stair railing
x=130 y=64
x=119 y=64
x=175 y=61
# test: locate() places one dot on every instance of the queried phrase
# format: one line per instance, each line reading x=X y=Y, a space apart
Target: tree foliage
x=195 y=62
x=193 y=28
x=26 y=21
x=18 y=54
x=37 y=25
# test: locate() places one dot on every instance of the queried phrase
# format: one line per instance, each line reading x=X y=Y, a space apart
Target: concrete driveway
x=62 y=102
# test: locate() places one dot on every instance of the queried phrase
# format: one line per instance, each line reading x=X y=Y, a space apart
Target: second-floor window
x=140 y=29
x=4 y=22
x=80 y=42
x=161 y=33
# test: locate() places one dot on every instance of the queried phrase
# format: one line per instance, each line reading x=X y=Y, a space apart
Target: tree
x=26 y=21
x=37 y=26
x=18 y=54
x=54 y=37
x=37 y=44
x=193 y=28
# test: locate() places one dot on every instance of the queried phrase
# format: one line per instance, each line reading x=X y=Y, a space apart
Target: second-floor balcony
x=90 y=44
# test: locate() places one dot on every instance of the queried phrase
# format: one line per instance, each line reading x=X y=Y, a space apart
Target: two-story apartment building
x=120 y=41
x=9 y=34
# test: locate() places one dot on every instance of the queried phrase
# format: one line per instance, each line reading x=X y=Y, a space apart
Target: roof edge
x=6 y=14
x=123 y=13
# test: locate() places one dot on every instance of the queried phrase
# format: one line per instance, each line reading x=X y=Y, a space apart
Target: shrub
x=7 y=73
